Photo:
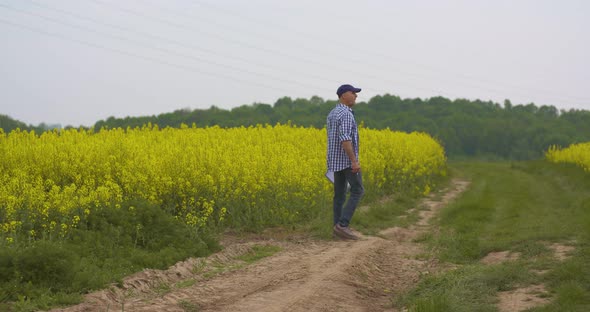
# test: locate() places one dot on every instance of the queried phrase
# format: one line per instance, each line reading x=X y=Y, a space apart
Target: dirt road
x=305 y=275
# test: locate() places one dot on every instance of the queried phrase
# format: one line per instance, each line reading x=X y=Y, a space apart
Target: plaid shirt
x=341 y=127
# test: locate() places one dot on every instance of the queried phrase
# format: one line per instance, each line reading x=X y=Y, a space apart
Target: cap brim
x=356 y=90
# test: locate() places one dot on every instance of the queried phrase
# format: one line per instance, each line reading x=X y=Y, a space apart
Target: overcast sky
x=76 y=62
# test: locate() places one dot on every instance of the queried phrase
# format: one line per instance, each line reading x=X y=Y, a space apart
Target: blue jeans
x=342 y=213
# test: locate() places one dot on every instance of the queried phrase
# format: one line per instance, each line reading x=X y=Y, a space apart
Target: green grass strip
x=519 y=207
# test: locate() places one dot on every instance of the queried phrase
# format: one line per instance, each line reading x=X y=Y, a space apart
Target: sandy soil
x=306 y=275
x=524 y=298
x=530 y=296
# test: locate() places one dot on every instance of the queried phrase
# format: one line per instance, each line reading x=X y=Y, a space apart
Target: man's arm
x=347 y=146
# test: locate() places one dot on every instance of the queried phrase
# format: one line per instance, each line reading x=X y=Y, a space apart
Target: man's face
x=348 y=98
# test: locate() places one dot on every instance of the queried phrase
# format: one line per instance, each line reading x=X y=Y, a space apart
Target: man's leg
x=339 y=194
x=356 y=193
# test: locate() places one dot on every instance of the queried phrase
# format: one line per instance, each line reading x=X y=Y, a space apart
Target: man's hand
x=347 y=146
x=356 y=167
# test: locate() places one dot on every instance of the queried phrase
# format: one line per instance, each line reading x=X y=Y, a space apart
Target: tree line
x=466 y=128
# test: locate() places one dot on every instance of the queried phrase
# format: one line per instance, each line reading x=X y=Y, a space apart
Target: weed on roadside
x=185 y=283
x=188 y=306
x=258 y=252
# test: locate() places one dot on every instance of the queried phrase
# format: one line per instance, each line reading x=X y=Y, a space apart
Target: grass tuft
x=258 y=252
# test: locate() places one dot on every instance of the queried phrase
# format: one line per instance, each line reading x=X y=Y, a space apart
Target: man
x=343 y=160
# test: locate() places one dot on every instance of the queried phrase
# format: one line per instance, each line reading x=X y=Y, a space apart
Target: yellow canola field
x=578 y=154
x=256 y=176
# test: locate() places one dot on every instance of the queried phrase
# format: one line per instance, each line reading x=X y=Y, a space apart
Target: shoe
x=344 y=232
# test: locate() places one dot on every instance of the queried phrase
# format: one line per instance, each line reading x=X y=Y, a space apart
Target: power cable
x=469 y=78
x=243 y=44
x=168 y=40
x=179 y=43
x=151 y=59
x=157 y=48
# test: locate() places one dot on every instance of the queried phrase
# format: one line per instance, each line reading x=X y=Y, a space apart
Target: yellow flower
x=264 y=175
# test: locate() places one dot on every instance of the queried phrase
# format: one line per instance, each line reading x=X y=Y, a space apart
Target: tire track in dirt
x=305 y=276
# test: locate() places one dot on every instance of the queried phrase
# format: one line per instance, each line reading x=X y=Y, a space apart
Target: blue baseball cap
x=345 y=88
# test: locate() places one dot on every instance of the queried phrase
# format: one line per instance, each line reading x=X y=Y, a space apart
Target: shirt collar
x=350 y=109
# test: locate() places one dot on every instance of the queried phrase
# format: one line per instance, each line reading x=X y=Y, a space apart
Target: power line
x=150 y=59
x=216 y=37
x=176 y=42
x=186 y=45
x=243 y=44
x=168 y=40
x=156 y=48
x=470 y=78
